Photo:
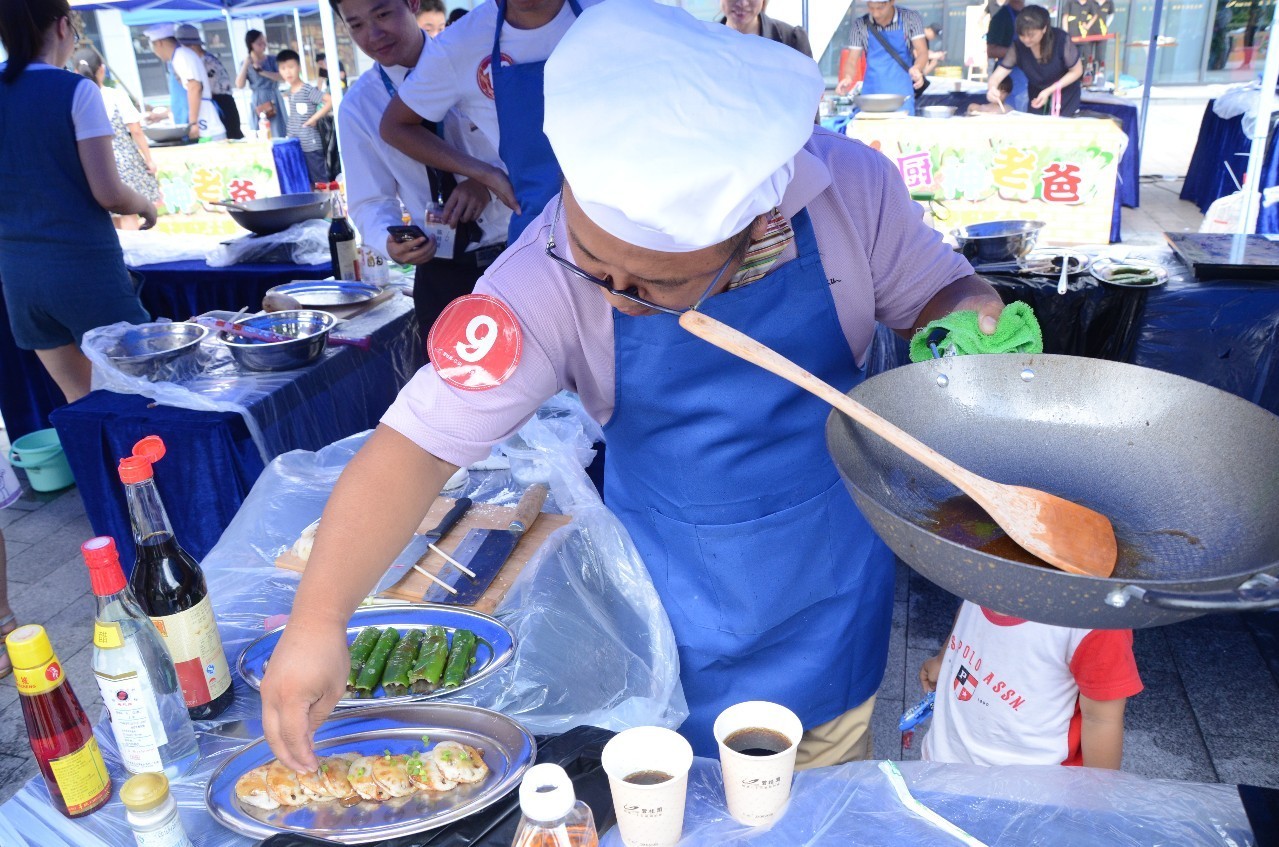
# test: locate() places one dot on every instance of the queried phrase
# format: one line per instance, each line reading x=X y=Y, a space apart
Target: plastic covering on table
x=1000 y=807
x=150 y=247
x=271 y=402
x=593 y=644
x=305 y=243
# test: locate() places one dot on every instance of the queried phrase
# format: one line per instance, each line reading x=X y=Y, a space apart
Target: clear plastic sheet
x=150 y=247
x=594 y=645
x=1001 y=807
x=305 y=243
x=271 y=402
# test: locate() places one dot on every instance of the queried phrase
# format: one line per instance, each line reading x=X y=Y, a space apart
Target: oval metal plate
x=494 y=648
x=509 y=749
x=1102 y=268
x=317 y=295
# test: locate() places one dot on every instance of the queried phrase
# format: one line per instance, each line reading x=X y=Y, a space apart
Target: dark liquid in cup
x=756 y=741
x=647 y=778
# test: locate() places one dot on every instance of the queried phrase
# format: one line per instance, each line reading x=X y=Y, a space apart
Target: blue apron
x=523 y=146
x=883 y=74
x=775 y=584
x=178 y=106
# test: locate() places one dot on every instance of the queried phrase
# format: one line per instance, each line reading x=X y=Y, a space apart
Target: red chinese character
x=242 y=190
x=1061 y=183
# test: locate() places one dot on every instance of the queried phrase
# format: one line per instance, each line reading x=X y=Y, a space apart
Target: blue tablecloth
x=171 y=289
x=290 y=166
x=212 y=460
x=1221 y=143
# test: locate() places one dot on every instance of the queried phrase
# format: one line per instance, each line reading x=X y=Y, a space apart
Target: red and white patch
x=484 y=73
x=476 y=343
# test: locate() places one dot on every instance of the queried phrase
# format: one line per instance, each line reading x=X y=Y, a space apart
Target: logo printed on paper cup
x=644 y=811
x=476 y=343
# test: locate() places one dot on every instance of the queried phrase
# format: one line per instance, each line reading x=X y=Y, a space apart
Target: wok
x=1188 y=475
x=276 y=214
x=165 y=134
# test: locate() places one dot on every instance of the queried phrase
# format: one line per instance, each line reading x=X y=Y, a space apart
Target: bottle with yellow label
x=57 y=727
x=135 y=673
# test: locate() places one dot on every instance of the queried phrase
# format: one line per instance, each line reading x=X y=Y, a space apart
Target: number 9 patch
x=476 y=342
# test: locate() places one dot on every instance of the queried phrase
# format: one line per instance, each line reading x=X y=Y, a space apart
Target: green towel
x=1017 y=332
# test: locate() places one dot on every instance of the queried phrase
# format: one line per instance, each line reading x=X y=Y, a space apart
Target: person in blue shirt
x=61 y=267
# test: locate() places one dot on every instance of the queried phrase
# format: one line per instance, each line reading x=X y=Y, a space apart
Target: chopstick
x=435 y=579
x=454 y=562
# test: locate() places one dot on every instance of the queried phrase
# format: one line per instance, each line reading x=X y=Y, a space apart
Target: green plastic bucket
x=40 y=455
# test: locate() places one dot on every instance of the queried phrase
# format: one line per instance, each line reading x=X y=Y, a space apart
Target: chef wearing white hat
x=189 y=70
x=691 y=168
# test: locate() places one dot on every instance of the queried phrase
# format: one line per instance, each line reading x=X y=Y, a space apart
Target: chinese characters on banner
x=1061 y=171
x=198 y=174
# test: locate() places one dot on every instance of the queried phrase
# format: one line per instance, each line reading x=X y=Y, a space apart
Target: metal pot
x=880 y=102
x=997 y=241
x=308 y=328
x=165 y=134
x=1145 y=448
x=276 y=214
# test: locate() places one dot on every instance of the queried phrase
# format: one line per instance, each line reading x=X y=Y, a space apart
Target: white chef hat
x=156 y=32
x=188 y=34
x=675 y=133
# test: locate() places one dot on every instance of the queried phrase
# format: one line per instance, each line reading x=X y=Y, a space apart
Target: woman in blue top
x=260 y=72
x=61 y=267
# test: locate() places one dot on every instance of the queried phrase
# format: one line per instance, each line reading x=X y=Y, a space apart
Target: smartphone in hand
x=405 y=234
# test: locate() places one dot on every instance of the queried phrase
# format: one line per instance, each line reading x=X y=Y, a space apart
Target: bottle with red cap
x=61 y=737
x=170 y=588
x=135 y=673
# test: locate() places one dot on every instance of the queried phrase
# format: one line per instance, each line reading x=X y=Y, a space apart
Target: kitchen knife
x=419 y=544
x=484 y=551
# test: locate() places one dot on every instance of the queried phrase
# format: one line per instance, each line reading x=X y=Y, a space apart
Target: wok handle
x=1260 y=592
x=743 y=346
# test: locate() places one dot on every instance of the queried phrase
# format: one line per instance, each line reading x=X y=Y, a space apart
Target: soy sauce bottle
x=62 y=740
x=342 y=251
x=170 y=588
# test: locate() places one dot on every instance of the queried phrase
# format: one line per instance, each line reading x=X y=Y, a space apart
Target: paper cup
x=757 y=787
x=648 y=815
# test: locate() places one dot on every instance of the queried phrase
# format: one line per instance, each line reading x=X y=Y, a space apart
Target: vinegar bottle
x=170 y=588
x=57 y=727
x=135 y=673
x=552 y=814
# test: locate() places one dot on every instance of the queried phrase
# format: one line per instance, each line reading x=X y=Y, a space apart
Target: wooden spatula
x=1060 y=532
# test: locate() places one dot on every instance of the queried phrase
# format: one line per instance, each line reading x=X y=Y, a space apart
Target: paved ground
x=1212 y=685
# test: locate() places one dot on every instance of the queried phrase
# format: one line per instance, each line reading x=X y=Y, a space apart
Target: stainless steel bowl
x=939 y=111
x=997 y=241
x=142 y=350
x=165 y=134
x=308 y=330
x=880 y=102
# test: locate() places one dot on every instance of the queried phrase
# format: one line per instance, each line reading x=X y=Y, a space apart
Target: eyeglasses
x=629 y=293
x=75 y=30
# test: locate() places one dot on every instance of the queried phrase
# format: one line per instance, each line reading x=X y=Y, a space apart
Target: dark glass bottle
x=170 y=588
x=342 y=250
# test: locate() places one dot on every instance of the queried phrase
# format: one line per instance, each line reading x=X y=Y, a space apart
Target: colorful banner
x=193 y=175
x=1008 y=167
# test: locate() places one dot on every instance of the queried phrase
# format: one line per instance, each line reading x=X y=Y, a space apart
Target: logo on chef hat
x=484 y=73
x=476 y=343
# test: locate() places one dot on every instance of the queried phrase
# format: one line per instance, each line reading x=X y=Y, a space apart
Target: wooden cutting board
x=413 y=585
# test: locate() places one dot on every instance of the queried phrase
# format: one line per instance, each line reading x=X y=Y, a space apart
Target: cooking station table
x=213 y=459
x=175 y=290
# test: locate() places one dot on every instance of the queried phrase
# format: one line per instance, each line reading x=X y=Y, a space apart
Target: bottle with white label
x=152 y=813
x=135 y=673
x=437 y=228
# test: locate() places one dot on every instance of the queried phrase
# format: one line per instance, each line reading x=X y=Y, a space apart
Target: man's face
x=881 y=11
x=164 y=48
x=741 y=11
x=674 y=280
x=431 y=22
x=289 y=71
x=384 y=29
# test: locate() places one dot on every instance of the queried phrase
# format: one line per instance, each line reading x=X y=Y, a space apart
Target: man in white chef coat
x=189 y=70
x=774 y=584
x=380 y=179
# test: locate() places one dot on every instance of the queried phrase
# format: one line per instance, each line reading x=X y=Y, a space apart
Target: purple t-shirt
x=883 y=262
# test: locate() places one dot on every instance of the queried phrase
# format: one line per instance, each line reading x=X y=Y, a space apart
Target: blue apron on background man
x=178 y=105
x=776 y=586
x=884 y=74
x=523 y=146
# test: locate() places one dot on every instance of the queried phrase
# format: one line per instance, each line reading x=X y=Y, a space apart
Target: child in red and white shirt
x=1015 y=692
